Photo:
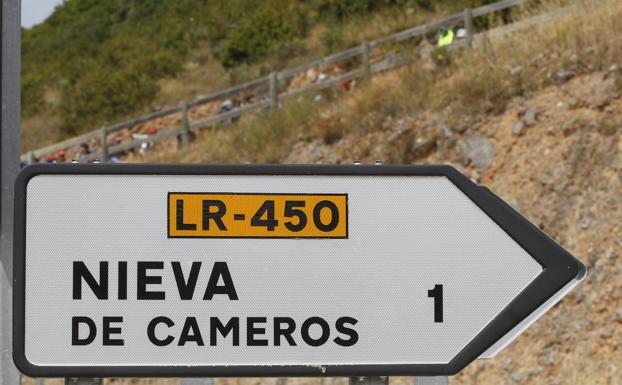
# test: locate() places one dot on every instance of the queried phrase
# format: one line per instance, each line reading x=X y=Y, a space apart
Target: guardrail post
x=103 y=139
x=274 y=95
x=185 y=134
x=31 y=157
x=365 y=57
x=468 y=25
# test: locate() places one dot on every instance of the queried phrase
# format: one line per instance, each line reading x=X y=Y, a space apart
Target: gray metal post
x=84 y=381
x=9 y=167
x=31 y=157
x=185 y=120
x=196 y=381
x=369 y=380
x=468 y=25
x=440 y=380
x=103 y=139
x=40 y=381
x=274 y=95
x=365 y=58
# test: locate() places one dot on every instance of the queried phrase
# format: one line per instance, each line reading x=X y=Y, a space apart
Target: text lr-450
x=257 y=215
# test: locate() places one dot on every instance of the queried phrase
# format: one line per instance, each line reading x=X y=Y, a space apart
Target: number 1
x=437 y=294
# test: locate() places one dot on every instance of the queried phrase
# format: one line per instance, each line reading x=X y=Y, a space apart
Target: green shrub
x=258 y=33
x=104 y=94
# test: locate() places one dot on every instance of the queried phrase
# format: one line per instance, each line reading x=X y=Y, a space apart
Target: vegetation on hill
x=475 y=84
x=93 y=62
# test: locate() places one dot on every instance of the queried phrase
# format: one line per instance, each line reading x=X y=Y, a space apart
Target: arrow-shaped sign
x=272 y=270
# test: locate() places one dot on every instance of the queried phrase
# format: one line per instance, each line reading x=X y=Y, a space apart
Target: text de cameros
x=171 y=330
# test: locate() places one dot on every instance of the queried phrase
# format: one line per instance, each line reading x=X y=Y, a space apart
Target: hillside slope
x=97 y=62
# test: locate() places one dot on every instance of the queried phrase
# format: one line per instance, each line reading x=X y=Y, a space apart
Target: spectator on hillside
x=180 y=138
x=83 y=152
x=118 y=157
x=225 y=107
x=61 y=157
x=344 y=85
x=461 y=33
x=445 y=39
x=147 y=145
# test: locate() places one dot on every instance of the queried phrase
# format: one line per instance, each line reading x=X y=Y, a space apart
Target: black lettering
x=285 y=332
x=180 y=217
x=220 y=270
x=186 y=288
x=122 y=294
x=252 y=331
x=143 y=280
x=437 y=294
x=350 y=332
x=75 y=331
x=233 y=326
x=306 y=336
x=215 y=216
x=270 y=223
x=334 y=217
x=151 y=331
x=107 y=330
x=190 y=325
x=80 y=271
x=291 y=210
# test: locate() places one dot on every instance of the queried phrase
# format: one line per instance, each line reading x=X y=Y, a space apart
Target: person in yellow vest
x=445 y=38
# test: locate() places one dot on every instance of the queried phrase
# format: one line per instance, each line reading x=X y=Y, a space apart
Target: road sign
x=151 y=270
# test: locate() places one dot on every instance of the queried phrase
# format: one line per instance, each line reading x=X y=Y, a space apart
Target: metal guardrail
x=269 y=86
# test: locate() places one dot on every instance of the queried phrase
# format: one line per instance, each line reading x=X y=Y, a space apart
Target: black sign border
x=559 y=268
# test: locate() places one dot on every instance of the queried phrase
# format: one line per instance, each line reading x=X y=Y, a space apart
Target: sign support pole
x=440 y=380
x=369 y=380
x=9 y=167
x=196 y=381
x=84 y=381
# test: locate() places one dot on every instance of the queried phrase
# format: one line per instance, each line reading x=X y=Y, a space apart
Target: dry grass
x=39 y=131
x=203 y=75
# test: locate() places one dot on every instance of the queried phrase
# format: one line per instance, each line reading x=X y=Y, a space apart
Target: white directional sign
x=272 y=270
